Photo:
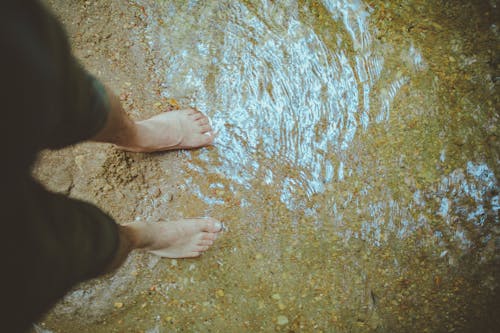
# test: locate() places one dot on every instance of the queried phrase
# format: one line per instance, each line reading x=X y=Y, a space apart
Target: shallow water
x=358 y=196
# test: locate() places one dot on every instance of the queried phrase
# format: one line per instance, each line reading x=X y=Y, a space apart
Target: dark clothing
x=49 y=242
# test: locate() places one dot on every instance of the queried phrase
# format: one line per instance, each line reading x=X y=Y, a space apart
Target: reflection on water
x=281 y=98
x=349 y=205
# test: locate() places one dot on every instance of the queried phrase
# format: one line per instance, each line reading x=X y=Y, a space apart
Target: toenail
x=218 y=226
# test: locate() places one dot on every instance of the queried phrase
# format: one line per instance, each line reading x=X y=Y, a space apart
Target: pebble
x=282 y=320
x=118 y=305
x=157 y=193
x=79 y=161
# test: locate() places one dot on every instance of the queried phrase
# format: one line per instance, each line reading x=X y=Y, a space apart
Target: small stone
x=282 y=320
x=118 y=305
x=220 y=293
x=281 y=306
x=173 y=102
x=157 y=193
x=79 y=161
x=173 y=263
x=276 y=297
x=258 y=256
x=437 y=26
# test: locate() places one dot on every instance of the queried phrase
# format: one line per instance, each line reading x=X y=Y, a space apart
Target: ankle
x=138 y=234
x=137 y=140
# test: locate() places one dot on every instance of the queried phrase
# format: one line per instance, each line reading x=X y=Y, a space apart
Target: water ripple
x=272 y=86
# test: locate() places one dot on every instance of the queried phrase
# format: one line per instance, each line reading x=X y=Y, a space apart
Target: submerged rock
x=282 y=320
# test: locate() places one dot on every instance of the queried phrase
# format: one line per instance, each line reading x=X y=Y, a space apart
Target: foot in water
x=185 y=238
x=180 y=129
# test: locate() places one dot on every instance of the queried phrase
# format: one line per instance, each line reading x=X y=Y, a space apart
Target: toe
x=205 y=128
x=218 y=227
x=202 y=248
x=197 y=115
x=209 y=138
x=206 y=243
x=209 y=236
x=203 y=121
x=190 y=112
x=211 y=225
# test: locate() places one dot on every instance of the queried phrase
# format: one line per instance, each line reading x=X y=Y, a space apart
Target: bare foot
x=183 y=238
x=180 y=129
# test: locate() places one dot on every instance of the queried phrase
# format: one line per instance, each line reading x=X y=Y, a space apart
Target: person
x=52 y=242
